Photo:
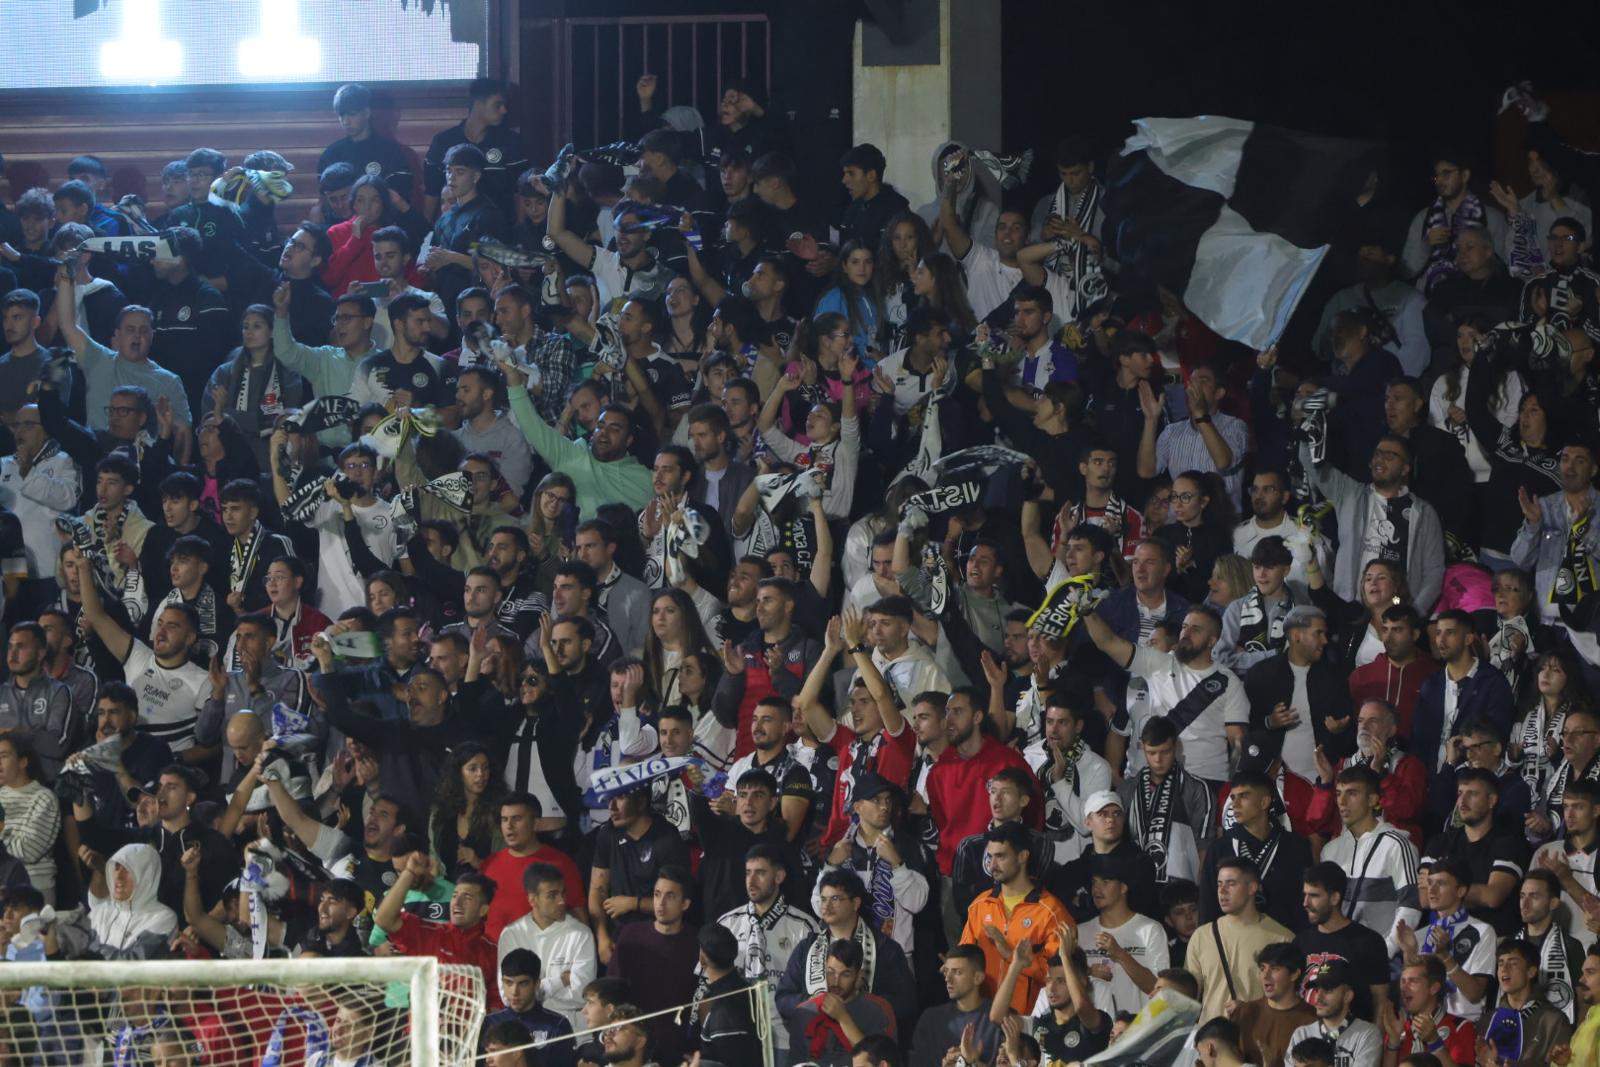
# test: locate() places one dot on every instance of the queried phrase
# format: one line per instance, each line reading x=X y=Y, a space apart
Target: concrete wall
x=908 y=111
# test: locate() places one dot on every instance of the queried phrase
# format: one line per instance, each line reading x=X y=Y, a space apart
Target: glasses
x=833 y=899
x=351 y=317
x=357 y=468
x=118 y=409
x=1184 y=498
x=1570 y=237
x=532 y=679
x=1567 y=734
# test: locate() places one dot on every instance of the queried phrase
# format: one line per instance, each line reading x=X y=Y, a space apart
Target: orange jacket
x=1035 y=920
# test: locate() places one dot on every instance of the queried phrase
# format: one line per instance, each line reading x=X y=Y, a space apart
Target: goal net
x=379 y=1012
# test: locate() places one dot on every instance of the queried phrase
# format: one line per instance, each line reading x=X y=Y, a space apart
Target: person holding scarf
x=1253 y=627
x=1558 y=688
x=254 y=548
x=1068 y=772
x=1559 y=539
x=890 y=870
x=253 y=386
x=1463 y=944
x=1171 y=812
x=1558 y=956
x=1430 y=249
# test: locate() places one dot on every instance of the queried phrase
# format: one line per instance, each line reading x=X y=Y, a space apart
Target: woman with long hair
x=818 y=344
x=688 y=319
x=854 y=297
x=1231 y=579
x=351 y=262
x=1447 y=400
x=1355 y=631
x=675 y=631
x=936 y=283
x=1201 y=531
x=1558 y=690
x=252 y=387
x=464 y=828
x=698 y=675
x=225 y=454
x=554 y=492
x=906 y=241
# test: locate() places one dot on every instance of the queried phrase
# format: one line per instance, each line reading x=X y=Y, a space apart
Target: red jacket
x=1382 y=680
x=1308 y=813
x=890 y=759
x=1402 y=793
x=449 y=944
x=958 y=795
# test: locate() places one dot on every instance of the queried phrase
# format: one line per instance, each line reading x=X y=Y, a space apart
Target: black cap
x=1332 y=975
x=1260 y=749
x=870 y=785
x=1110 y=866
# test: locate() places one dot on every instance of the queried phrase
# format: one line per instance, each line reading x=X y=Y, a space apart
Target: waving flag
x=1232 y=216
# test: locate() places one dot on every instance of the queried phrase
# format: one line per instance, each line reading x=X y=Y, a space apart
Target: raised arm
x=387 y=915
x=581 y=251
x=822 y=553
x=816 y=716
x=117 y=640
x=955 y=235
x=1106 y=640
x=210 y=930
x=854 y=634
x=66 y=296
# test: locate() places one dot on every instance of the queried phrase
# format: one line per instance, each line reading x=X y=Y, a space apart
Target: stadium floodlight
x=141 y=54
x=409 y=1010
x=279 y=51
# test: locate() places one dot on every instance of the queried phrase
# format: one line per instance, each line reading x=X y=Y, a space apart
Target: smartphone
x=376 y=290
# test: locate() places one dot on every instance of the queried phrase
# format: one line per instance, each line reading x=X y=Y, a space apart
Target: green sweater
x=624 y=481
x=328 y=368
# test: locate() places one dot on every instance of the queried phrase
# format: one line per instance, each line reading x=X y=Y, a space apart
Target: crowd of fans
x=898 y=550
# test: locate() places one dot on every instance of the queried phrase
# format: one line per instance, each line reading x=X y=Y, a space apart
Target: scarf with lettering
x=242 y=560
x=204 y=604
x=1442 y=257
x=1555 y=977
x=1536 y=737
x=817 y=958
x=1260 y=853
x=271 y=398
x=1256 y=632
x=1563 y=775
x=1393 y=528
x=1072 y=259
x=105 y=533
x=1154 y=805
x=1055 y=816
x=757 y=958
x=1576 y=579
x=1502 y=650
x=879 y=884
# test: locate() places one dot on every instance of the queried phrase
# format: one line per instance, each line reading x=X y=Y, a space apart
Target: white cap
x=1097 y=801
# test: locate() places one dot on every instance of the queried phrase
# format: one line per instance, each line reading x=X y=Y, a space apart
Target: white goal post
x=435 y=1009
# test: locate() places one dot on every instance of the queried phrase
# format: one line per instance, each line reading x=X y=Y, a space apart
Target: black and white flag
x=1234 y=217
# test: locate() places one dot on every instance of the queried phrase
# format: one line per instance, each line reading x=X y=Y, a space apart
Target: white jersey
x=1145 y=940
x=1204 y=738
x=170 y=699
x=1063 y=801
x=1582 y=863
x=342 y=588
x=783 y=934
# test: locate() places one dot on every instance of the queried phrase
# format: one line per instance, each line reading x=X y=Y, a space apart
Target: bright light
x=140 y=54
x=280 y=51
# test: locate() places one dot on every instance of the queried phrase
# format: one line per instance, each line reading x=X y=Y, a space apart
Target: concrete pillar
x=908 y=111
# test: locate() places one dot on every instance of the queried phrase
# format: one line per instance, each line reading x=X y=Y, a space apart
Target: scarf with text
x=1256 y=632
x=1442 y=931
x=1442 y=257
x=1393 y=529
x=879 y=881
x=1154 y=805
x=271 y=397
x=1576 y=579
x=1072 y=259
x=1055 y=815
x=242 y=560
x=817 y=958
x=757 y=958
x=1536 y=737
x=1555 y=975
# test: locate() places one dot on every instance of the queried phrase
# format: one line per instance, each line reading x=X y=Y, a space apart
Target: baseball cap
x=1333 y=974
x=1260 y=748
x=871 y=785
x=1103 y=798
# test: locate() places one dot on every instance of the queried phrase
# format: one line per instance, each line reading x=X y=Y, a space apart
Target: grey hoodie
x=978 y=205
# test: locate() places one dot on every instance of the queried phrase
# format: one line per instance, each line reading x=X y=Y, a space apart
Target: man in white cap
x=1104 y=818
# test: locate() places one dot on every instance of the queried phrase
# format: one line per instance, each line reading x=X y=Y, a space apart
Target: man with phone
x=392 y=258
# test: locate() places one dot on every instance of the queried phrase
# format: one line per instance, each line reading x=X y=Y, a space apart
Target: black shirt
x=1070 y=1041
x=1070 y=883
x=635 y=864
x=310 y=311
x=194 y=332
x=1361 y=948
x=456 y=231
x=667 y=381
x=376 y=156
x=1500 y=851
x=864 y=220
x=505 y=161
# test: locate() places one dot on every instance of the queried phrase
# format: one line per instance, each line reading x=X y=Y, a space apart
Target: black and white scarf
x=1535 y=742
x=1072 y=259
x=1563 y=775
x=271 y=397
x=757 y=957
x=817 y=958
x=242 y=560
x=1259 y=853
x=1394 y=529
x=1256 y=632
x=1555 y=975
x=204 y=604
x=1055 y=815
x=1155 y=806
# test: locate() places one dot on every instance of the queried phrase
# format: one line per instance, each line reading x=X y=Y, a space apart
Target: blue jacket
x=1484 y=695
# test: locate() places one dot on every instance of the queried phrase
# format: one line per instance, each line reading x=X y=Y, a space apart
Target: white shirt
x=909 y=386
x=1249 y=532
x=565 y=945
x=1582 y=864
x=1452 y=695
x=383 y=332
x=49 y=490
x=1504 y=412
x=1205 y=740
x=1145 y=940
x=1300 y=743
x=1063 y=803
x=1480 y=961
x=1371 y=647
x=170 y=699
x=989 y=282
x=342 y=588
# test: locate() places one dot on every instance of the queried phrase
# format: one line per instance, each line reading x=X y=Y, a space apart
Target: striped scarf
x=1442 y=257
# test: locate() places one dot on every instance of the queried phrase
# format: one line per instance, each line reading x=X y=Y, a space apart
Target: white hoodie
x=118 y=925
